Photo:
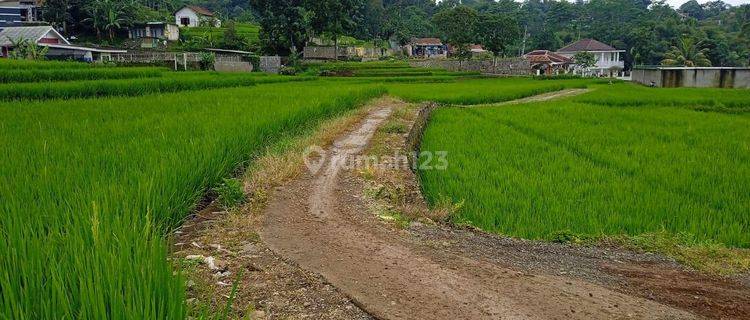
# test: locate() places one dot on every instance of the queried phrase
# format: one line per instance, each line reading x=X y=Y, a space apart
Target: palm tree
x=686 y=53
x=106 y=15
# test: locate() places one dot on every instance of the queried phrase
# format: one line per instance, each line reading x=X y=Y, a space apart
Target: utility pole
x=525 y=34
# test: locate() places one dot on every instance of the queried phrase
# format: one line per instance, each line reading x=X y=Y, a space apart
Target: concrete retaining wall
x=270 y=64
x=233 y=66
x=694 y=77
x=509 y=67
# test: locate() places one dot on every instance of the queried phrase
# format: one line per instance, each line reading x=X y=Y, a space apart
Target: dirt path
x=321 y=222
x=565 y=93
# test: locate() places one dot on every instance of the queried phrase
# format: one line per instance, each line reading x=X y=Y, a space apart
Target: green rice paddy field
x=100 y=163
x=622 y=159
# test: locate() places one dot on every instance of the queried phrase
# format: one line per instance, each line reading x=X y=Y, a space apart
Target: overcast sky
x=677 y=3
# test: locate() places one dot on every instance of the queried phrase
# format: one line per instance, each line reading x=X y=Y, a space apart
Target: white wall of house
x=605 y=61
x=186 y=17
x=172 y=32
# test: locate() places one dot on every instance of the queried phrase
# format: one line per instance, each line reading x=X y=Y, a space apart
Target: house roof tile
x=586 y=45
x=542 y=56
x=201 y=10
x=427 y=41
x=9 y=34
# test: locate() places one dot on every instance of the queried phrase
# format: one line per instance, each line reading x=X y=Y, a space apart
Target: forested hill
x=648 y=31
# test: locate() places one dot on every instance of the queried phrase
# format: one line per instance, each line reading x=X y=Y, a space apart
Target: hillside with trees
x=650 y=32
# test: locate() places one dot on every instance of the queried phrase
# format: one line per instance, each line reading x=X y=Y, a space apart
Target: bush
x=231 y=193
x=288 y=71
x=207 y=60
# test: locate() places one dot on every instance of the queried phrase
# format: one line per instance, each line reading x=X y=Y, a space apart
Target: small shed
x=427 y=48
x=152 y=34
x=195 y=16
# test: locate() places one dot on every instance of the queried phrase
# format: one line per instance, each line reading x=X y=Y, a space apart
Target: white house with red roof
x=195 y=16
x=609 y=60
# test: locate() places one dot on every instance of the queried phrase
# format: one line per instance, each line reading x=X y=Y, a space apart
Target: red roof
x=587 y=45
x=426 y=42
x=546 y=56
x=477 y=47
x=201 y=10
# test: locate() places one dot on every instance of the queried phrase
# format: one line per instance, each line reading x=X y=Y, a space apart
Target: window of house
x=185 y=21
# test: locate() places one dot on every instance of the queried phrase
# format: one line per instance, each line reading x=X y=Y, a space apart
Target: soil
x=321 y=250
x=543 y=97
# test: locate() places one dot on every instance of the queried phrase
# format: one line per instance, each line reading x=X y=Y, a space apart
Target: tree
x=25 y=49
x=496 y=32
x=686 y=53
x=585 y=60
x=714 y=8
x=373 y=20
x=458 y=27
x=334 y=17
x=231 y=39
x=285 y=25
x=693 y=9
x=109 y=15
x=403 y=24
x=58 y=13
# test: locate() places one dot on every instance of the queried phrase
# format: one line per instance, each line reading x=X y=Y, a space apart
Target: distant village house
x=426 y=48
x=154 y=34
x=39 y=35
x=608 y=59
x=17 y=13
x=477 y=49
x=195 y=16
x=58 y=46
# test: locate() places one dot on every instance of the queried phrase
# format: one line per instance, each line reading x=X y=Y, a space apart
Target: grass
x=247 y=31
x=478 y=91
x=169 y=82
x=534 y=170
x=96 y=174
x=40 y=75
x=12 y=64
x=632 y=95
x=91 y=187
x=338 y=66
